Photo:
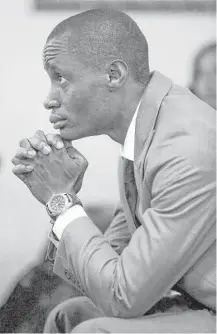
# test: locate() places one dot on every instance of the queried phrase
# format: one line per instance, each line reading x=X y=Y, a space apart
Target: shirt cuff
x=66 y=218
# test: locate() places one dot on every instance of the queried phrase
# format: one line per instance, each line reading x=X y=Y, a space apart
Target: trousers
x=81 y=315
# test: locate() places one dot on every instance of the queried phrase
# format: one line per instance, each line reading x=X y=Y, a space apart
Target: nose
x=51 y=102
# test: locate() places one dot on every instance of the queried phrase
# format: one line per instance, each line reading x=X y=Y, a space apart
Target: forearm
x=90 y=257
x=118 y=234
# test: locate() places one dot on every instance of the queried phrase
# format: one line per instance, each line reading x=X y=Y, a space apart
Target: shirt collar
x=127 y=150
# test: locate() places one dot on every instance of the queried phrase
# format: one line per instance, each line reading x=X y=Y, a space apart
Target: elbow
x=122 y=306
x=120 y=310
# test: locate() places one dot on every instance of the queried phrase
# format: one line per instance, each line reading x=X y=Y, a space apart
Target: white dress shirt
x=76 y=211
x=127 y=150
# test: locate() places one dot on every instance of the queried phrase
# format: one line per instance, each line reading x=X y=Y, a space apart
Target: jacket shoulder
x=185 y=128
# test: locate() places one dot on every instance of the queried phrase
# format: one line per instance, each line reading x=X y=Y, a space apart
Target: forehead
x=58 y=50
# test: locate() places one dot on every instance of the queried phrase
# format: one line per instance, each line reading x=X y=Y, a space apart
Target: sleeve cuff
x=66 y=218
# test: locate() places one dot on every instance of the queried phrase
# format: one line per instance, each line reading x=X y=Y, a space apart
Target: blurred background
x=181 y=36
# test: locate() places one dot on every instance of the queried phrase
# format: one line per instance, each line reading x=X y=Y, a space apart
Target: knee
x=98 y=325
x=71 y=305
x=64 y=312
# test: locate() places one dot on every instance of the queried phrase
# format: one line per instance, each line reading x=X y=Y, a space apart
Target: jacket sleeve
x=172 y=236
x=118 y=234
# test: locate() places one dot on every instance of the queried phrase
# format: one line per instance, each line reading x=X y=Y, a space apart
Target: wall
x=173 y=41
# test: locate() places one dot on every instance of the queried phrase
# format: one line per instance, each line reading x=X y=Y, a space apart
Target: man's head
x=204 y=75
x=98 y=65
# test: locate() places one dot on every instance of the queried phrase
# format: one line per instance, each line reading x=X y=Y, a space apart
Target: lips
x=58 y=121
x=55 y=118
x=59 y=124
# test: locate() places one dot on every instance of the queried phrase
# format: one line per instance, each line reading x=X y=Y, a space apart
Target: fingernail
x=59 y=144
x=29 y=167
x=31 y=153
x=47 y=150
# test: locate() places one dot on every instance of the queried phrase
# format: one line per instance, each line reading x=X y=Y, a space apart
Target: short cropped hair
x=104 y=35
x=209 y=48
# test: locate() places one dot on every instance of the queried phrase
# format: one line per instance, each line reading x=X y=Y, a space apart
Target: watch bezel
x=68 y=203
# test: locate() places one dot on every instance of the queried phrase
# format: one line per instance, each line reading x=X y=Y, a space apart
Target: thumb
x=73 y=153
x=67 y=143
x=78 y=158
x=71 y=150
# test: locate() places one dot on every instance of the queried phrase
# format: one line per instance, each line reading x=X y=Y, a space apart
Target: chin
x=69 y=134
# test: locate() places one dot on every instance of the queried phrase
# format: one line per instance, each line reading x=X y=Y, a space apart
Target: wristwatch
x=59 y=203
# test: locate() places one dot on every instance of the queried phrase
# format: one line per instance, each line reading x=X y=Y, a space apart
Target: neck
x=125 y=109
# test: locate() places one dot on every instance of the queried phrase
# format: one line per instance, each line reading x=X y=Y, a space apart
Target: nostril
x=51 y=104
x=54 y=103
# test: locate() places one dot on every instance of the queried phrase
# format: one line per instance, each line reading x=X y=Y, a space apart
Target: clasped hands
x=47 y=164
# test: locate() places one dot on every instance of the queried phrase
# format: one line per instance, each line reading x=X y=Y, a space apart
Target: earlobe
x=117 y=72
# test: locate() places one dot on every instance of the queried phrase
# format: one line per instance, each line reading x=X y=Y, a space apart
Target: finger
x=73 y=152
x=55 y=140
x=24 y=153
x=15 y=161
x=71 y=149
x=67 y=144
x=39 y=145
x=25 y=143
x=21 y=169
x=77 y=157
x=41 y=135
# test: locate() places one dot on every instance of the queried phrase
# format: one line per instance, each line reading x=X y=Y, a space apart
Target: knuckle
x=36 y=143
x=84 y=161
x=23 y=141
x=33 y=141
x=21 y=167
x=13 y=160
x=16 y=170
x=17 y=155
x=22 y=153
x=39 y=133
x=49 y=136
x=41 y=145
x=57 y=137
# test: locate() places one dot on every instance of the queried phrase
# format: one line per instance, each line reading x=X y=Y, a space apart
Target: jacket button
x=67 y=274
x=212 y=312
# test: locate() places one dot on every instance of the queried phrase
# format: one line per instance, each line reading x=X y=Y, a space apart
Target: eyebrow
x=53 y=67
x=48 y=62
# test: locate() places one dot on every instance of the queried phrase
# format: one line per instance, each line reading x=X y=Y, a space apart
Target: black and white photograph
x=108 y=166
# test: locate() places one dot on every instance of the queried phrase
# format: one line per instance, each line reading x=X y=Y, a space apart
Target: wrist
x=67 y=218
x=60 y=203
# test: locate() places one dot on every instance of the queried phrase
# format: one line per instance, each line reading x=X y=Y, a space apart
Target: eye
x=61 y=79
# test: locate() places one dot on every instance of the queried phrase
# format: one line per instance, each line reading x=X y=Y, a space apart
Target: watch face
x=57 y=204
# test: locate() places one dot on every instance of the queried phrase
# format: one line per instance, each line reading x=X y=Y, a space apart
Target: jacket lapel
x=158 y=87
x=132 y=174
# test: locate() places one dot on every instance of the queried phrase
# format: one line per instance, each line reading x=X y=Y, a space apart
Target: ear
x=117 y=74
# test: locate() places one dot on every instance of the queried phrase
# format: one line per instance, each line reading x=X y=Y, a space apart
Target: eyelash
x=60 y=78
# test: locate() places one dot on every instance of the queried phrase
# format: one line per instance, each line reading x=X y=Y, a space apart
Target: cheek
x=71 y=102
x=82 y=103
x=67 y=98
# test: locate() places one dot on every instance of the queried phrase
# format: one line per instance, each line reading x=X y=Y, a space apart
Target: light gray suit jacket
x=170 y=238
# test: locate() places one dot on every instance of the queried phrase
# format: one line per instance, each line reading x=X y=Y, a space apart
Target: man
x=204 y=75
x=164 y=232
